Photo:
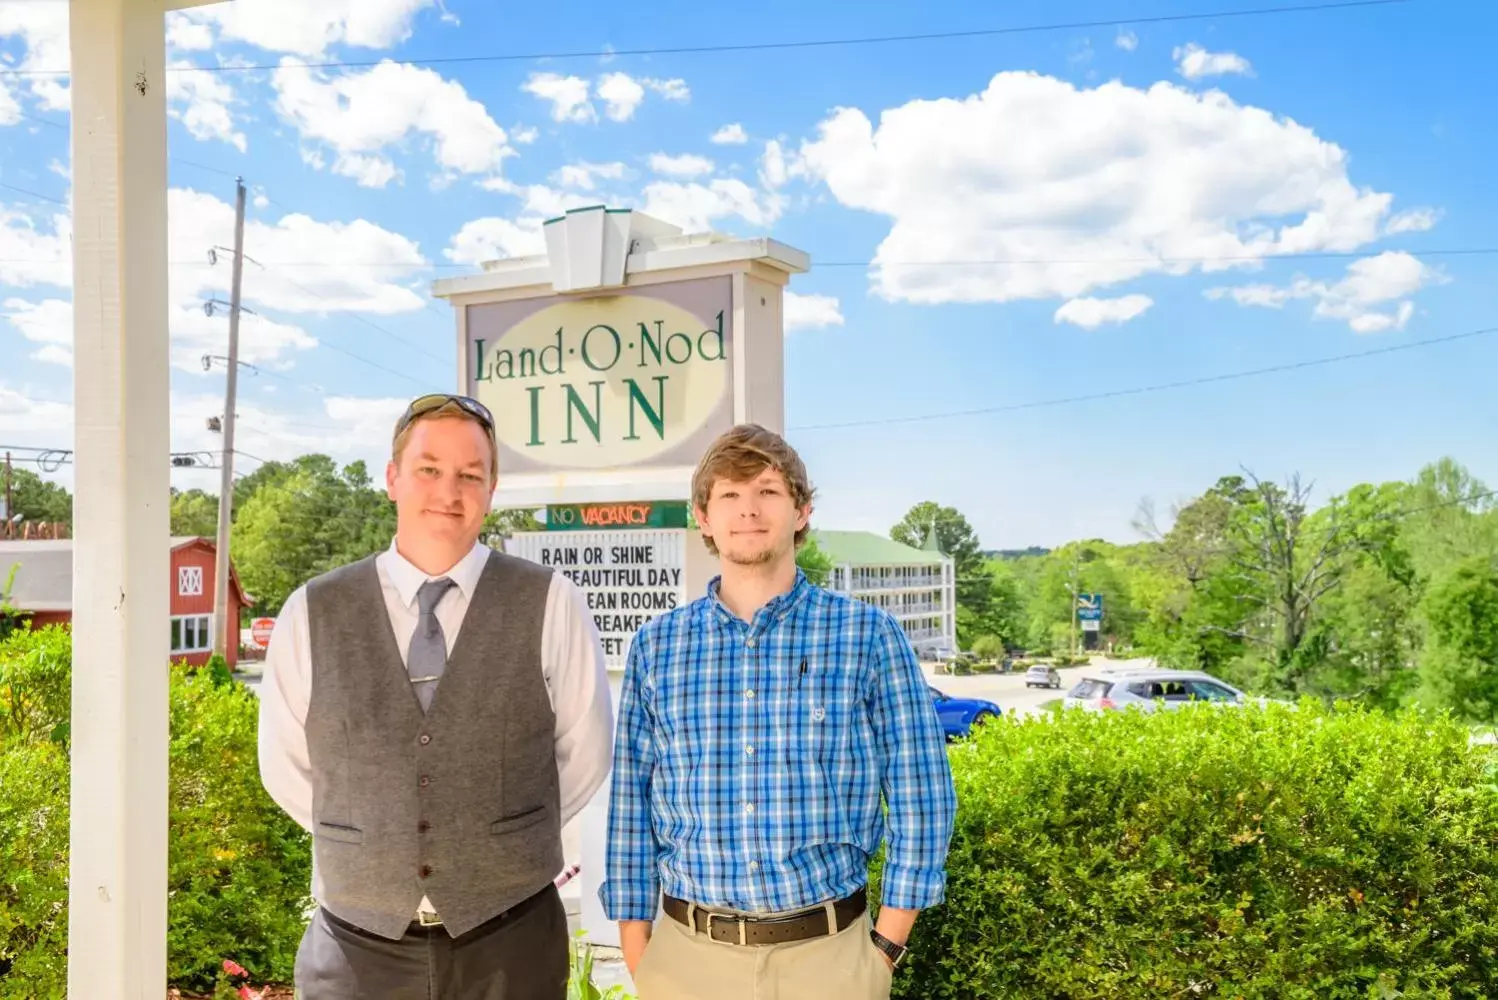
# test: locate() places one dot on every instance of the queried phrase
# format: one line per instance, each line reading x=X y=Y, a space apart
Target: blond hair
x=447 y=411
x=742 y=453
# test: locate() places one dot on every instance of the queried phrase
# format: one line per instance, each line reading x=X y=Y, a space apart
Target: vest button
x=426 y=871
x=423 y=826
x=425 y=739
x=425 y=781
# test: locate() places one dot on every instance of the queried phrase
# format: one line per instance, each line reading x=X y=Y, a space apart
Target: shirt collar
x=407 y=579
x=776 y=607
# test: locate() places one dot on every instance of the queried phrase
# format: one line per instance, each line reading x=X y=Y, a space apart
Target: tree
x=194 y=512
x=38 y=499
x=502 y=524
x=814 y=561
x=310 y=519
x=958 y=541
x=1460 y=666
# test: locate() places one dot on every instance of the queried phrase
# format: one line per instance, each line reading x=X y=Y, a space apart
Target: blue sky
x=1118 y=206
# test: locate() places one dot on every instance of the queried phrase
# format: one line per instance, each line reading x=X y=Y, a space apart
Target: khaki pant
x=678 y=965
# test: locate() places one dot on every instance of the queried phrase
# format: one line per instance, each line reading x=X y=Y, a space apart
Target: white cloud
x=695 y=206
x=675 y=89
x=1362 y=299
x=183 y=34
x=811 y=312
x=1090 y=313
x=201 y=102
x=568 y=96
x=360 y=115
x=730 y=135
x=1127 y=40
x=621 y=93
x=1412 y=220
x=585 y=176
x=773 y=169
x=360 y=266
x=1068 y=190
x=1194 y=62
x=685 y=165
x=29 y=255
x=10 y=108
x=48 y=323
x=43 y=26
x=524 y=135
x=494 y=239
x=44 y=422
x=309 y=29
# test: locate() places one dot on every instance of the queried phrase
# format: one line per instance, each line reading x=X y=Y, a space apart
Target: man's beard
x=759 y=558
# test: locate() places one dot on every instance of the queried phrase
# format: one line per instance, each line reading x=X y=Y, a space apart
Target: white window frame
x=202 y=629
x=189 y=581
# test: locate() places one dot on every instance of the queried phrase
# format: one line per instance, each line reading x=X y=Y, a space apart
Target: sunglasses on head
x=437 y=400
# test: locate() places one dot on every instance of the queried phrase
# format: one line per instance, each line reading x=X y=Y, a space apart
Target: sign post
x=610 y=363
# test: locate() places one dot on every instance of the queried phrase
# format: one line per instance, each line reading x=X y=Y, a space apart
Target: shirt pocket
x=824 y=715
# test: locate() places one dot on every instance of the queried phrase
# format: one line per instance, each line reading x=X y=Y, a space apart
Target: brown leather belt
x=733 y=928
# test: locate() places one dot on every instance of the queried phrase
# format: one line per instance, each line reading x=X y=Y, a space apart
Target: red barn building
x=43 y=587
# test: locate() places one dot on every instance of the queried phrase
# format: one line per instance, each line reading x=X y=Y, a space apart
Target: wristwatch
x=896 y=952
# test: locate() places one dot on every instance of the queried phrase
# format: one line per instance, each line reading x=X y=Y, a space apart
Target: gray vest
x=459 y=804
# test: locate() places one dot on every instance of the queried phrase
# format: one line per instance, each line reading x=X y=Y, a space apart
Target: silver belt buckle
x=428 y=919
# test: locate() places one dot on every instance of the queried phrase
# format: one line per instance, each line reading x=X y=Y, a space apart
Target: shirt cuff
x=913 y=888
x=630 y=900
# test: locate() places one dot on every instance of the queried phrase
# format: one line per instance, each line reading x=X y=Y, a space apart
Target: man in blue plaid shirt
x=759 y=728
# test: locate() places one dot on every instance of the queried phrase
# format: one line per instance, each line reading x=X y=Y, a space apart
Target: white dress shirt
x=572 y=663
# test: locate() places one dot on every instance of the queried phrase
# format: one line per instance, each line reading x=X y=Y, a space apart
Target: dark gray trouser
x=519 y=955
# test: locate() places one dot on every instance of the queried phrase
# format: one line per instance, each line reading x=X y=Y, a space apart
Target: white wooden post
x=118 y=845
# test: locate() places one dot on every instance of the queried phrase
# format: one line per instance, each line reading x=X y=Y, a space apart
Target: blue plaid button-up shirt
x=750 y=758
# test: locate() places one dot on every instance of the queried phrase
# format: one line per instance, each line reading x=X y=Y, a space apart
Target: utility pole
x=10 y=499
x=222 y=626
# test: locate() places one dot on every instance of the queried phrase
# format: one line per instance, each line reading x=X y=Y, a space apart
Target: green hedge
x=1288 y=853
x=239 y=868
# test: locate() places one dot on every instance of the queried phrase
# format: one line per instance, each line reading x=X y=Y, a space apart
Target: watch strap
x=896 y=952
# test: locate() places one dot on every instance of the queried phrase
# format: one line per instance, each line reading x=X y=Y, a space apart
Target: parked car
x=1042 y=675
x=1149 y=689
x=959 y=715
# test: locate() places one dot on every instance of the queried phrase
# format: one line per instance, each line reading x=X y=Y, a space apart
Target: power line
x=1143 y=390
x=1207 y=259
x=765 y=46
x=990 y=262
x=38 y=195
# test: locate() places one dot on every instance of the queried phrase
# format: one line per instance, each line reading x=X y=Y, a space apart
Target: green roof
x=864 y=548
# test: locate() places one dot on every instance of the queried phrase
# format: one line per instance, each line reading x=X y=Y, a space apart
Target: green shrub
x=35 y=684
x=1287 y=853
x=33 y=870
x=239 y=868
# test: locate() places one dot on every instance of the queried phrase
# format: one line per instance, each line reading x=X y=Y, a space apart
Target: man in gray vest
x=433 y=715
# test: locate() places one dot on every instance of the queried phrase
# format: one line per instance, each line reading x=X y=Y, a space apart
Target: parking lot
x=1009 y=691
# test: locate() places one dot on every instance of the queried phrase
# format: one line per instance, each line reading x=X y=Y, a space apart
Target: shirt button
x=749 y=750
x=754 y=866
x=749 y=807
x=749 y=693
x=750 y=643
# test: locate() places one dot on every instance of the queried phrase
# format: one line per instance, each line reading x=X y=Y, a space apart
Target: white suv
x=1149 y=689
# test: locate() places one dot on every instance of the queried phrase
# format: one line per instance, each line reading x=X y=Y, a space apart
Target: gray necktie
x=426 y=658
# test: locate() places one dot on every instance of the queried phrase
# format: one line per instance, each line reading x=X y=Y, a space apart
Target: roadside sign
x=1091 y=625
x=260 y=630
x=1090 y=607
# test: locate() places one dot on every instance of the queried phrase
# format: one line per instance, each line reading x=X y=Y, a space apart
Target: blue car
x=959 y=715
